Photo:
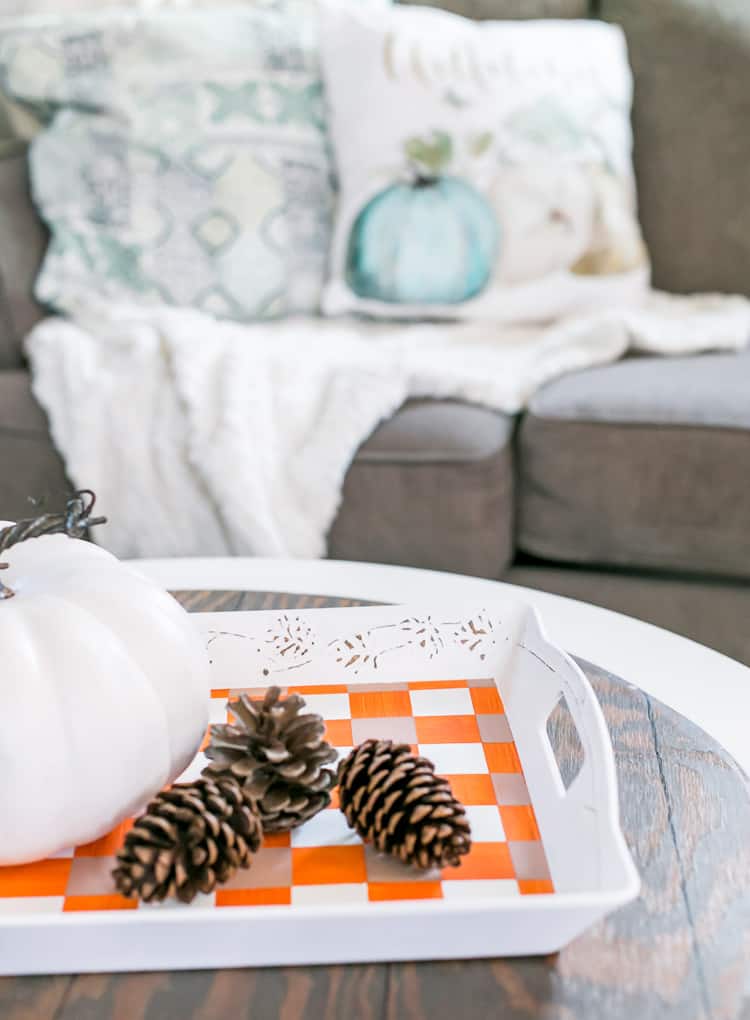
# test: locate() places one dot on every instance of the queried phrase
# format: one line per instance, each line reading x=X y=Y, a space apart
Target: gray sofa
x=627 y=485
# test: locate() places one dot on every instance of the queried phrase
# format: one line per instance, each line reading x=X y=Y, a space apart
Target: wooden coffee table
x=680 y=952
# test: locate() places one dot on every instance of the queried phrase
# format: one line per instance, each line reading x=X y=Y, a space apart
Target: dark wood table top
x=680 y=952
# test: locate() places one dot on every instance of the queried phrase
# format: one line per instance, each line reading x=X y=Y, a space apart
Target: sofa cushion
x=432 y=487
x=31 y=466
x=691 y=60
x=22 y=244
x=705 y=389
x=642 y=463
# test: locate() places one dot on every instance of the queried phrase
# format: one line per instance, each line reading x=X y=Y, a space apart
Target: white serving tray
x=342 y=914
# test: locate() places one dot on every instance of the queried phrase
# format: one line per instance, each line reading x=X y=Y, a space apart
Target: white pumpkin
x=103 y=695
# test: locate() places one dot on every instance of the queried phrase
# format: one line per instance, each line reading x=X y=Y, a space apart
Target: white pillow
x=484 y=168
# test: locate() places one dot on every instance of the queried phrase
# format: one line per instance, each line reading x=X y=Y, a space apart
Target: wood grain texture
x=680 y=952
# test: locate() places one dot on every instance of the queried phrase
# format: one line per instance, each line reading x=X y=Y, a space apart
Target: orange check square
x=220 y=692
x=447 y=729
x=279 y=896
x=379 y=704
x=487 y=701
x=535 y=886
x=502 y=757
x=339 y=732
x=473 y=789
x=328 y=865
x=277 y=839
x=484 y=860
x=83 y=903
x=379 y=891
x=519 y=822
x=108 y=845
x=44 y=878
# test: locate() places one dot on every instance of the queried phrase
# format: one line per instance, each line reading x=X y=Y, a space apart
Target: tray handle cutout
x=565 y=742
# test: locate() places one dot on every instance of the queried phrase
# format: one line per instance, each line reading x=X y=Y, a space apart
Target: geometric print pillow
x=185 y=160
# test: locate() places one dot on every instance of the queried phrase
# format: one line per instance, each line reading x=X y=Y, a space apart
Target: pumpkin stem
x=74 y=522
x=420 y=176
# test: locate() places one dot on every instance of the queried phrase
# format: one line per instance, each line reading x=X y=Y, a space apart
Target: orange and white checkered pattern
x=460 y=725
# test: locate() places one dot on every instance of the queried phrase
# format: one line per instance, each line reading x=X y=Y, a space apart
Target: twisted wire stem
x=74 y=522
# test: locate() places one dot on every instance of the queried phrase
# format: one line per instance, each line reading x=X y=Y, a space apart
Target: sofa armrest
x=30 y=466
x=23 y=239
x=10 y=350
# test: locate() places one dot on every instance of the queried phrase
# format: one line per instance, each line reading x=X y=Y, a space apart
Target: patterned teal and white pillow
x=186 y=158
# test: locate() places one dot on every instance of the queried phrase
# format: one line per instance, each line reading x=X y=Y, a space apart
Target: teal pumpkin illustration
x=432 y=240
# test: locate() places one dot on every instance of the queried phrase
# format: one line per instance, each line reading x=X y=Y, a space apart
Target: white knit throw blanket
x=212 y=438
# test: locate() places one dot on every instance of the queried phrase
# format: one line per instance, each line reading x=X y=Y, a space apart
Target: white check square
x=455 y=759
x=327 y=828
x=486 y=823
x=330 y=706
x=217 y=710
x=14 y=905
x=326 y=895
x=442 y=702
x=194 y=769
x=480 y=888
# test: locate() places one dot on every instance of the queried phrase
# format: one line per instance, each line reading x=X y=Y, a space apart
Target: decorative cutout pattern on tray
x=458 y=724
x=290 y=641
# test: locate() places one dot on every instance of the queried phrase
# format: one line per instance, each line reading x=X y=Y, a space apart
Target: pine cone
x=191 y=837
x=394 y=798
x=277 y=754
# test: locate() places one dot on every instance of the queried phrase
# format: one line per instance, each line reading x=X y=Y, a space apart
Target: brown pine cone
x=192 y=837
x=277 y=753
x=393 y=798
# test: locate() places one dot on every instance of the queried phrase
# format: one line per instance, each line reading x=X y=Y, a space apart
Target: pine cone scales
x=394 y=799
x=278 y=755
x=192 y=837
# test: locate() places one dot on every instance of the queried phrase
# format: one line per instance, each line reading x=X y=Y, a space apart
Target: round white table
x=707 y=687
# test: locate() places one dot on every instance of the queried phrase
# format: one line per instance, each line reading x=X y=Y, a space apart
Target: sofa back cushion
x=691 y=60
x=22 y=243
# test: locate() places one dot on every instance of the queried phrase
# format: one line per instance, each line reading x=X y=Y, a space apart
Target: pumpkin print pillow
x=484 y=168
